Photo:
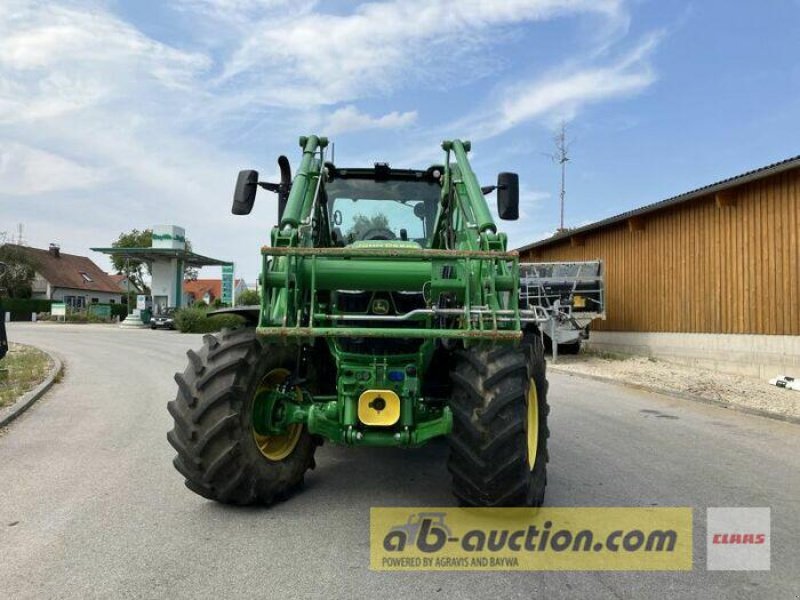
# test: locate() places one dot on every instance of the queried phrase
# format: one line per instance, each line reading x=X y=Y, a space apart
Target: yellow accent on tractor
x=380 y=408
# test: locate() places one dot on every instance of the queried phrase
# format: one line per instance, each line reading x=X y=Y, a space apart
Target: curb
x=681 y=395
x=7 y=415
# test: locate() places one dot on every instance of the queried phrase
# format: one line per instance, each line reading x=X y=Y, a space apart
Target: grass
x=21 y=370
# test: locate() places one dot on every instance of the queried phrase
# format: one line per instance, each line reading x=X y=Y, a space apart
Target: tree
x=136 y=269
x=132 y=268
x=248 y=298
x=190 y=273
x=19 y=272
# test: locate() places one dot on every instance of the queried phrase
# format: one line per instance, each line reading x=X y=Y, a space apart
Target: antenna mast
x=561 y=156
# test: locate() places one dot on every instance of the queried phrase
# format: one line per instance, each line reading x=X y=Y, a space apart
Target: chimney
x=55 y=250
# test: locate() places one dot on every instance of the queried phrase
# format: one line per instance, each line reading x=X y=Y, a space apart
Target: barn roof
x=719 y=186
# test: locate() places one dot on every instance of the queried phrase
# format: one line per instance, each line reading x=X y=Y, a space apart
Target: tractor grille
x=363 y=303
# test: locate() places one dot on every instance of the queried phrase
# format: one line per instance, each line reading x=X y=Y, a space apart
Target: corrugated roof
x=755 y=174
x=70 y=271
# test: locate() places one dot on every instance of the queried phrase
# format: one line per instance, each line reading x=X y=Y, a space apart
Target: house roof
x=70 y=271
x=719 y=186
x=199 y=287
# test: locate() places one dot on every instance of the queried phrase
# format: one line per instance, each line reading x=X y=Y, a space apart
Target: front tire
x=218 y=452
x=498 y=446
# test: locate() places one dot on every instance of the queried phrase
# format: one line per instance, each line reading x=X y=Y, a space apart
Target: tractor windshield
x=365 y=209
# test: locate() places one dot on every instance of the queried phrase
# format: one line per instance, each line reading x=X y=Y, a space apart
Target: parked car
x=163 y=320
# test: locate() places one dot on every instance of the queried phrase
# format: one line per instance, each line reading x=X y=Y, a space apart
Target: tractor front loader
x=389 y=316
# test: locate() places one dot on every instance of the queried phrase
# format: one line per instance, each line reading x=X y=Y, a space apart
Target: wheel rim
x=276 y=447
x=533 y=423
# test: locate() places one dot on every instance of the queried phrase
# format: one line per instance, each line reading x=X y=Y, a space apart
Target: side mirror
x=245 y=193
x=508 y=196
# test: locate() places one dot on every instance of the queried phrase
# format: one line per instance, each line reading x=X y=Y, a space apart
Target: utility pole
x=561 y=156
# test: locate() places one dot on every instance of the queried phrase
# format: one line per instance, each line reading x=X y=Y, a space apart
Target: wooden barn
x=710 y=276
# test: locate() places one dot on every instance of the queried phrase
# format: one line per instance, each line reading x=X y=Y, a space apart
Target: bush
x=119 y=310
x=194 y=320
x=84 y=317
x=248 y=298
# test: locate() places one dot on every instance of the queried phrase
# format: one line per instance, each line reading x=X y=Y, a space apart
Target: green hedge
x=194 y=320
x=21 y=308
x=119 y=310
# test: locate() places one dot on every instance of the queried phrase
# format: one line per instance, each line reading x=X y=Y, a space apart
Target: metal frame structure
x=570 y=294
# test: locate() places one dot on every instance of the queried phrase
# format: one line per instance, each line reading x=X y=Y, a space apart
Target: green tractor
x=389 y=316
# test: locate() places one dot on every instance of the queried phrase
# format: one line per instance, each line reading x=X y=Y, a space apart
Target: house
x=707 y=277
x=74 y=280
x=124 y=283
x=208 y=290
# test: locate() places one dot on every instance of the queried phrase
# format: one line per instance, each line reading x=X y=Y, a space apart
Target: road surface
x=90 y=505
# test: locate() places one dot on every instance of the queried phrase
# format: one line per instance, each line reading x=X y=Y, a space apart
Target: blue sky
x=115 y=114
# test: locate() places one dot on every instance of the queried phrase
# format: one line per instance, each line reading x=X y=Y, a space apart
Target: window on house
x=86 y=277
x=95 y=300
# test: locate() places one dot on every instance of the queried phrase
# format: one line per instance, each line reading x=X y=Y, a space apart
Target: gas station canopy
x=190 y=259
x=167 y=259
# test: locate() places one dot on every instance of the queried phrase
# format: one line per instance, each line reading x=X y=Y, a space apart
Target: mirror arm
x=488 y=189
x=278 y=188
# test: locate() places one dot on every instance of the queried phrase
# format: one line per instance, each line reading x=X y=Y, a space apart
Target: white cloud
x=380 y=46
x=56 y=60
x=95 y=112
x=350 y=119
x=561 y=95
x=26 y=171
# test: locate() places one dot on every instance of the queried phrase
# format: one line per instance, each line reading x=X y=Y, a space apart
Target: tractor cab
x=369 y=207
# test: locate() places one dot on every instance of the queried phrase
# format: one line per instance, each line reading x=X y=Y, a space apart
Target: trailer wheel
x=498 y=446
x=218 y=452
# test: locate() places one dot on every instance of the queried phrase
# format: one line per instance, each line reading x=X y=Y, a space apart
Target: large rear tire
x=498 y=446
x=219 y=453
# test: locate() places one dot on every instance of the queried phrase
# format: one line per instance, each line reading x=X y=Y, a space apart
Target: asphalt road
x=90 y=505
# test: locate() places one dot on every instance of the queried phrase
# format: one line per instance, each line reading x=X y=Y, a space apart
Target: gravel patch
x=735 y=390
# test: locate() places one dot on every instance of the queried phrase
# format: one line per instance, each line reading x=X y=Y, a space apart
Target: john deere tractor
x=389 y=316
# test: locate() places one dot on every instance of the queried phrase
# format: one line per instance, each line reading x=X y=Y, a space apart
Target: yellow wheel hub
x=533 y=423
x=277 y=447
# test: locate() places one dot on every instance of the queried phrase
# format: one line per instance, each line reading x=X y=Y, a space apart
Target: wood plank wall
x=728 y=263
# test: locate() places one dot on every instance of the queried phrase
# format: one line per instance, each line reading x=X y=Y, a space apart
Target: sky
x=118 y=114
